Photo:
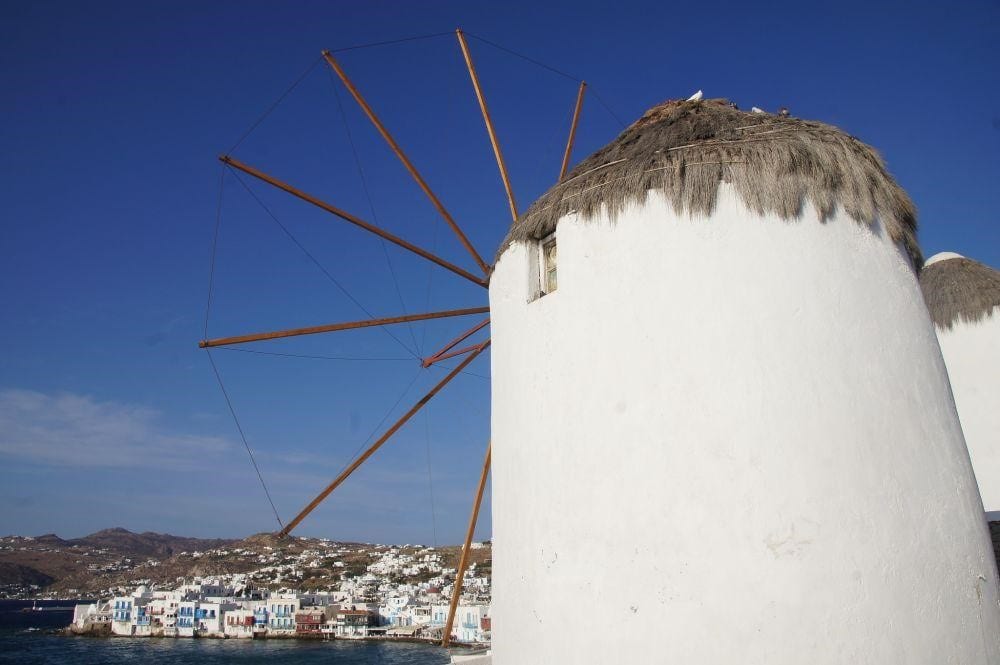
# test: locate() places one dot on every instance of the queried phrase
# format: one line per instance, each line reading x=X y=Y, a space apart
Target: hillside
x=117 y=559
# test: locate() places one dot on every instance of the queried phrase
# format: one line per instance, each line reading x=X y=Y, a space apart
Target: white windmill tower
x=963 y=297
x=721 y=426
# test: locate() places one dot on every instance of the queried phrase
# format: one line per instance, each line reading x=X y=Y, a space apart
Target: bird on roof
x=754 y=109
x=696 y=97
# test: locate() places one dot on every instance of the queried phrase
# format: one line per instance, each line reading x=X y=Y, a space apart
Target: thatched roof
x=776 y=164
x=959 y=288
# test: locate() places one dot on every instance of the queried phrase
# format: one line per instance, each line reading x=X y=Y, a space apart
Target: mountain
x=147 y=544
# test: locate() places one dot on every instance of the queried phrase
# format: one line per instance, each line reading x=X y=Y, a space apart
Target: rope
x=308 y=357
x=246 y=445
x=371 y=204
x=215 y=244
x=320 y=265
x=391 y=41
x=273 y=106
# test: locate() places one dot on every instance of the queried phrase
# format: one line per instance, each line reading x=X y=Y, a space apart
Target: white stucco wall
x=972 y=353
x=729 y=441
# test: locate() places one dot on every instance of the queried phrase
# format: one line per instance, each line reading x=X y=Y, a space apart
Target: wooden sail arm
x=489 y=123
x=405 y=160
x=572 y=130
x=381 y=440
x=335 y=327
x=463 y=562
x=440 y=355
x=353 y=219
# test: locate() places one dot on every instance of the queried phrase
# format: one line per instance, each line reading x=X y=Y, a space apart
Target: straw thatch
x=959 y=288
x=776 y=164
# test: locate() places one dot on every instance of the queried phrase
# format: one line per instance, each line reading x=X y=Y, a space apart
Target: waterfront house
x=281 y=614
x=310 y=620
x=121 y=617
x=185 y=618
x=239 y=623
x=354 y=623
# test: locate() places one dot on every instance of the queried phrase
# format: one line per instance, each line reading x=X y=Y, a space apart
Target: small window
x=547 y=263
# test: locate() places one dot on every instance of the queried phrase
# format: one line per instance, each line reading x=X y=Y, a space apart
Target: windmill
x=719 y=416
x=456 y=348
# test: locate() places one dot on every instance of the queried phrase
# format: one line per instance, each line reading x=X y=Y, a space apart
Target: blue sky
x=114 y=114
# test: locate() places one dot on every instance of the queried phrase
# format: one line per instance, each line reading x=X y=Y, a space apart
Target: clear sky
x=114 y=114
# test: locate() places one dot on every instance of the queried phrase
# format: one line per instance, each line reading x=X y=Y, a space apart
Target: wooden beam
x=430 y=360
x=463 y=562
x=405 y=160
x=382 y=439
x=572 y=130
x=489 y=124
x=348 y=217
x=334 y=327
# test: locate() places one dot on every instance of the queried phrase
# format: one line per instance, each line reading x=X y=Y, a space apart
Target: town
x=403 y=593
x=151 y=584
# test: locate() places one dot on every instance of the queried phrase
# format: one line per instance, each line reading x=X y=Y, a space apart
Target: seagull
x=783 y=112
x=696 y=97
x=757 y=110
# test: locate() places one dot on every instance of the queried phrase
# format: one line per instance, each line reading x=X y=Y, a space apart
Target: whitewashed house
x=239 y=623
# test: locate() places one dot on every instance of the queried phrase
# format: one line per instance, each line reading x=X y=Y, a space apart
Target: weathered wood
x=440 y=355
x=463 y=562
x=353 y=219
x=572 y=130
x=378 y=444
x=334 y=327
x=489 y=124
x=405 y=160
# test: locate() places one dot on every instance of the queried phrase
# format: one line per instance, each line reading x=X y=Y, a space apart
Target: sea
x=32 y=638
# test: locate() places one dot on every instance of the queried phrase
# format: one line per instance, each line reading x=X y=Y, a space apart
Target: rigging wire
x=239 y=428
x=306 y=356
x=593 y=92
x=430 y=476
x=371 y=204
x=391 y=41
x=215 y=245
x=319 y=265
x=275 y=104
x=377 y=427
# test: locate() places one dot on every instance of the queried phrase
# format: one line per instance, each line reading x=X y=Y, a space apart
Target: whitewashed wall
x=972 y=353
x=729 y=441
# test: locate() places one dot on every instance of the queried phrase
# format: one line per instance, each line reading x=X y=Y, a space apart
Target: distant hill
x=148 y=544
x=49 y=561
x=16 y=574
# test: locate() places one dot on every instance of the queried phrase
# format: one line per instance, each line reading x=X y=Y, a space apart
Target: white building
x=470 y=626
x=963 y=297
x=281 y=613
x=720 y=416
x=239 y=623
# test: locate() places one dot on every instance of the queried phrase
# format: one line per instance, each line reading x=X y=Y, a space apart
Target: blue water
x=28 y=638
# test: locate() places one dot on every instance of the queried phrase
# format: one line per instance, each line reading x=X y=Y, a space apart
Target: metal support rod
x=430 y=360
x=572 y=130
x=382 y=439
x=464 y=560
x=357 y=221
x=489 y=123
x=405 y=160
x=334 y=327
